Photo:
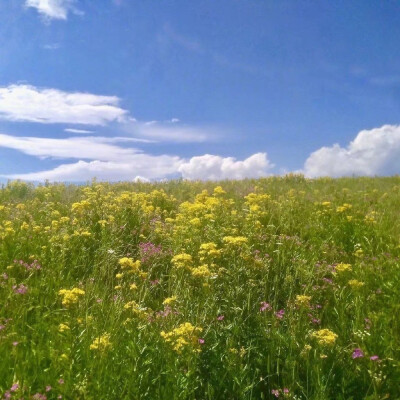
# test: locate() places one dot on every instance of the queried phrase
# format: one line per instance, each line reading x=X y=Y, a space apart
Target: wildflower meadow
x=276 y=288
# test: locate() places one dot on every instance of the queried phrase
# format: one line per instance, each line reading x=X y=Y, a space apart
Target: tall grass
x=255 y=289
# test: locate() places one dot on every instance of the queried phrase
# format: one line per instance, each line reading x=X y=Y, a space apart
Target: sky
x=211 y=89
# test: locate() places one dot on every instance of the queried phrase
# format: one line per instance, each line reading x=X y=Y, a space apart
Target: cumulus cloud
x=32 y=104
x=372 y=152
x=103 y=158
x=53 y=9
x=139 y=166
x=215 y=167
x=145 y=167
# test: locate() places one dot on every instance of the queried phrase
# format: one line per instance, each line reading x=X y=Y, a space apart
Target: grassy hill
x=280 y=287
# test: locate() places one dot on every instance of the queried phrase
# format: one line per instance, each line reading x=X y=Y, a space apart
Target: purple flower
x=357 y=353
x=39 y=396
x=275 y=392
x=201 y=341
x=279 y=314
x=374 y=358
x=61 y=381
x=220 y=317
x=14 y=387
x=265 y=306
x=286 y=390
x=7 y=395
x=148 y=251
x=21 y=289
x=48 y=388
x=15 y=344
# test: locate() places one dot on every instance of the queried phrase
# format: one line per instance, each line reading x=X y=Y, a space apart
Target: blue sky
x=199 y=89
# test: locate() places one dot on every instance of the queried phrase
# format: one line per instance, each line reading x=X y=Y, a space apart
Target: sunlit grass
x=255 y=289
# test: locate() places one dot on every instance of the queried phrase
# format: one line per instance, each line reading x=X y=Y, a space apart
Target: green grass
x=250 y=335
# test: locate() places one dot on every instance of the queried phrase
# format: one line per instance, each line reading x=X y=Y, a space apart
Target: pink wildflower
x=264 y=306
x=357 y=353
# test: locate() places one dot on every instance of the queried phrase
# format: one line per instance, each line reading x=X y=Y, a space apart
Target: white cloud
x=141 y=179
x=28 y=103
x=215 y=167
x=53 y=9
x=80 y=131
x=102 y=158
x=77 y=147
x=171 y=131
x=140 y=166
x=144 y=167
x=372 y=152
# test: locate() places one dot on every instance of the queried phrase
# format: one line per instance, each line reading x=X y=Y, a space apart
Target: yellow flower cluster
x=185 y=336
x=257 y=199
x=6 y=230
x=63 y=328
x=169 y=300
x=201 y=272
x=139 y=311
x=128 y=263
x=343 y=208
x=342 y=268
x=355 y=284
x=359 y=253
x=70 y=297
x=182 y=260
x=218 y=191
x=235 y=241
x=325 y=337
x=81 y=206
x=302 y=300
x=101 y=343
x=209 y=251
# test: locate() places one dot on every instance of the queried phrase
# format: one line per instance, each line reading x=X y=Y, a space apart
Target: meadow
x=280 y=287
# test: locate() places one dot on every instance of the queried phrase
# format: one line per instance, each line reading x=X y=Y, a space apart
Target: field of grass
x=258 y=289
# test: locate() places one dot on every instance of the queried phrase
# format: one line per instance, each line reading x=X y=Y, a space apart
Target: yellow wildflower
x=302 y=300
x=219 y=191
x=325 y=337
x=235 y=240
x=63 y=328
x=354 y=283
x=70 y=297
x=169 y=300
x=201 y=272
x=185 y=336
x=101 y=343
x=128 y=263
x=342 y=268
x=182 y=260
x=343 y=208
